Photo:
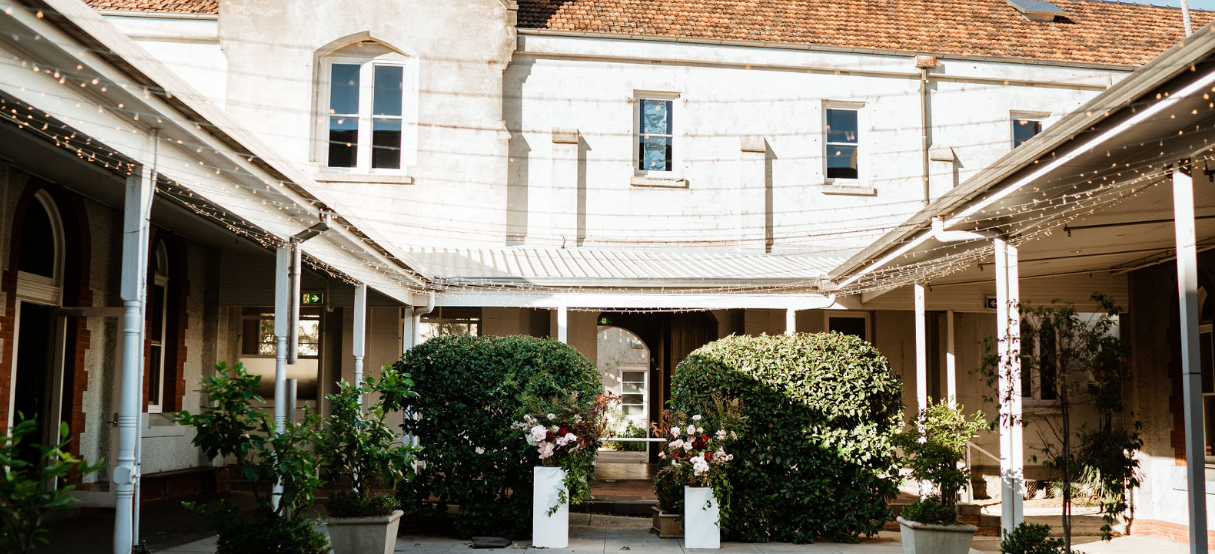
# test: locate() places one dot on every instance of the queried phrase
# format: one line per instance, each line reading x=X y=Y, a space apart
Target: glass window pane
x=309 y=338
x=266 y=340
x=655 y=154
x=344 y=89
x=388 y=90
x=37 y=242
x=655 y=117
x=841 y=162
x=632 y=399
x=1025 y=129
x=632 y=387
x=386 y=143
x=633 y=377
x=154 y=385
x=841 y=126
x=632 y=411
x=343 y=141
x=156 y=327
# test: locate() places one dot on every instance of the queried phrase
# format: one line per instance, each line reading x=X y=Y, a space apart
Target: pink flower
x=546 y=450
x=537 y=433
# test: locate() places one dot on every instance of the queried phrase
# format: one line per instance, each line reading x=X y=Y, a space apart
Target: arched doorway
x=624 y=367
x=36 y=379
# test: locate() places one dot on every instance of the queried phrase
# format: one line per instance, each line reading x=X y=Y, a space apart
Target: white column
x=790 y=321
x=282 y=289
x=1009 y=386
x=359 y=338
x=563 y=324
x=136 y=209
x=921 y=350
x=951 y=367
x=1191 y=383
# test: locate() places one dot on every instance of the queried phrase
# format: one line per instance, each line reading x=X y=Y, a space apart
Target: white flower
x=700 y=430
x=699 y=465
x=691 y=437
x=662 y=455
x=480 y=450
x=529 y=420
x=562 y=441
x=696 y=417
x=551 y=417
x=729 y=457
x=677 y=443
x=721 y=434
x=537 y=434
x=577 y=418
x=570 y=437
x=674 y=431
x=546 y=450
x=687 y=447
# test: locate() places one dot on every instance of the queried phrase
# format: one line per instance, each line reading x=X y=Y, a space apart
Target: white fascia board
x=628 y=300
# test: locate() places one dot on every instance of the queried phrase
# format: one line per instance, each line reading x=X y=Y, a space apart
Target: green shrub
x=936 y=445
x=1031 y=538
x=470 y=391
x=261 y=531
x=931 y=511
x=353 y=504
x=668 y=487
x=632 y=431
x=816 y=455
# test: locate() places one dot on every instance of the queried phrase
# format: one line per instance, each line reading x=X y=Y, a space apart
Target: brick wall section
x=1171 y=531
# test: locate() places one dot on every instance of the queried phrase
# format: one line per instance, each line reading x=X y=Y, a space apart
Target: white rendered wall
x=189 y=45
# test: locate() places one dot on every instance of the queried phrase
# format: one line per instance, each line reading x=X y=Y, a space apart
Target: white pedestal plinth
x=700 y=518
x=549 y=531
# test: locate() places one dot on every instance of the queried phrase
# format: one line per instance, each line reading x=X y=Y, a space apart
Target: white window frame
x=409 y=109
x=861 y=132
x=1015 y=116
x=828 y=315
x=676 y=133
x=163 y=282
x=645 y=393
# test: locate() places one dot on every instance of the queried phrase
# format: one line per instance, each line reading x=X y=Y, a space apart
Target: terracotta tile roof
x=1093 y=31
x=170 y=6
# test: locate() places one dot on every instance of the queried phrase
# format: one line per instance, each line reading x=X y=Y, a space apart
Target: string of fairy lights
x=1114 y=184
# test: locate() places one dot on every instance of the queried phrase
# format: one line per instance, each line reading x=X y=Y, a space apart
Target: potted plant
x=934 y=448
x=668 y=487
x=566 y=434
x=230 y=426
x=698 y=458
x=358 y=450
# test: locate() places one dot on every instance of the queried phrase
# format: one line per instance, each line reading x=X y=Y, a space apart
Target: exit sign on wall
x=990 y=303
x=311 y=298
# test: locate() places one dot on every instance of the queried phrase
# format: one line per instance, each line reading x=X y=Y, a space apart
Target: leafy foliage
x=935 y=447
x=631 y=431
x=353 y=504
x=357 y=446
x=260 y=531
x=470 y=391
x=27 y=491
x=1082 y=363
x=668 y=487
x=822 y=411
x=570 y=439
x=1031 y=538
x=231 y=426
x=930 y=510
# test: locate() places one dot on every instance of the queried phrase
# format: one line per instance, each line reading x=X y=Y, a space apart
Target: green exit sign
x=311 y=298
x=605 y=321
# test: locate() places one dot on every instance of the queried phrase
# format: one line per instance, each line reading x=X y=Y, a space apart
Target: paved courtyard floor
x=636 y=539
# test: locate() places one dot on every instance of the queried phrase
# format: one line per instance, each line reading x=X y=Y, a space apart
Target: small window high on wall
x=367 y=95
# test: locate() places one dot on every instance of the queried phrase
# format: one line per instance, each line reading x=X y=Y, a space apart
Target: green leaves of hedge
x=816 y=455
x=468 y=395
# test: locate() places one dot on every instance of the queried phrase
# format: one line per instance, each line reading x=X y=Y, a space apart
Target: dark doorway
x=848 y=325
x=33 y=390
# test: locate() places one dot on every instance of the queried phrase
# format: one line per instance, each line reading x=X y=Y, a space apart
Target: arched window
x=367 y=102
x=40 y=267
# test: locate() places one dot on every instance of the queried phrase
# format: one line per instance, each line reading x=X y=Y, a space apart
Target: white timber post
x=282 y=290
x=136 y=209
x=1008 y=325
x=790 y=321
x=1187 y=291
x=359 y=338
x=921 y=350
x=951 y=366
x=563 y=324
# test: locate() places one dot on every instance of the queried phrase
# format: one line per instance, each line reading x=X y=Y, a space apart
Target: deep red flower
x=562 y=431
x=548 y=436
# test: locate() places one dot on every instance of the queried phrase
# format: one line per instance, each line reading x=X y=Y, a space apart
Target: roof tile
x=168 y=6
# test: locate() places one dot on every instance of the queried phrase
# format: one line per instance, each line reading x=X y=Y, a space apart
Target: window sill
x=848 y=190
x=659 y=182
x=364 y=178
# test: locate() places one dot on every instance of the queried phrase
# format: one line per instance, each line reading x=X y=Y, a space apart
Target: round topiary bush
x=469 y=392
x=815 y=456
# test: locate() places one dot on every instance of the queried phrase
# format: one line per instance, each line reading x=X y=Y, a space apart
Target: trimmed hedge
x=469 y=393
x=815 y=456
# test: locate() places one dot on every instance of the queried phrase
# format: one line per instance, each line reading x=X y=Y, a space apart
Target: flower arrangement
x=566 y=431
x=691 y=445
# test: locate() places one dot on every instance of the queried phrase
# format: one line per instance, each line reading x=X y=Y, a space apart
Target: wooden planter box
x=667 y=525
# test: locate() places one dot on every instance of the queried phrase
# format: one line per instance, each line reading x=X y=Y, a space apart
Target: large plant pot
x=364 y=535
x=550 y=531
x=923 y=538
x=667 y=525
x=700 y=518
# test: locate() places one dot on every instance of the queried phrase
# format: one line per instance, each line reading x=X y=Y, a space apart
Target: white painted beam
x=1187 y=291
x=623 y=299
